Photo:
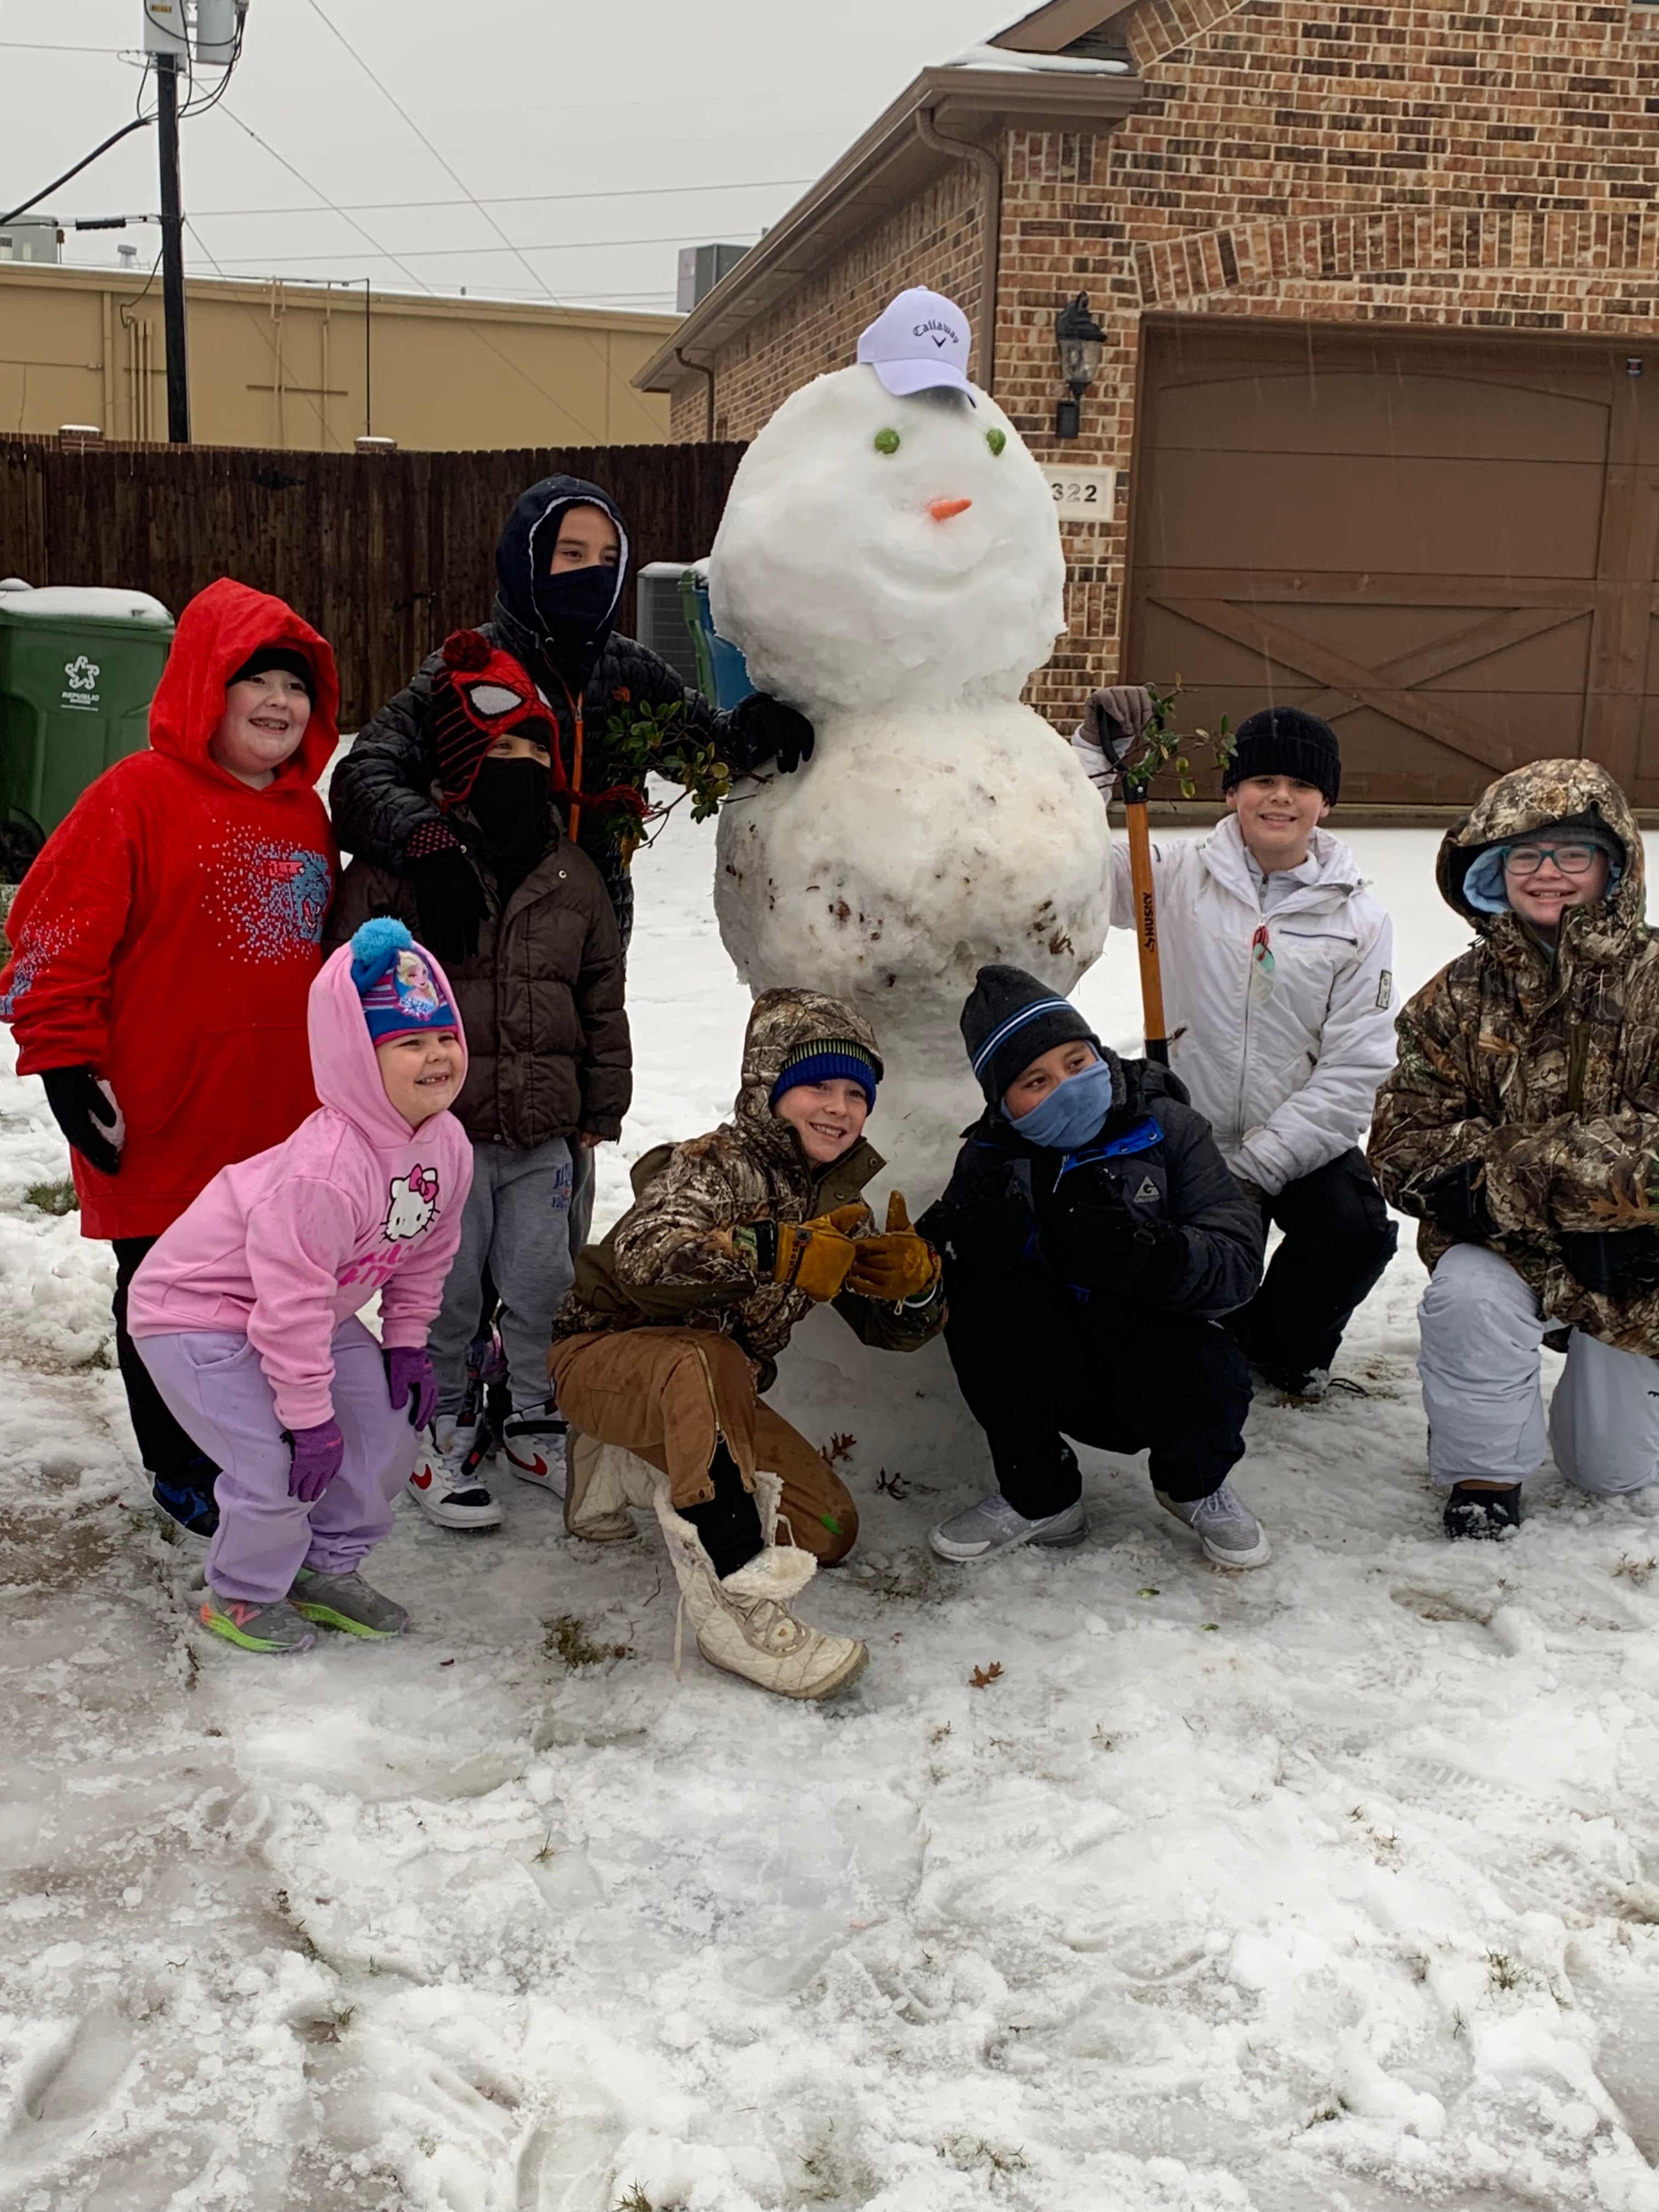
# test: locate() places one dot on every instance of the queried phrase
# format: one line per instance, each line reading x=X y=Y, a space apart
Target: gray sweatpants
x=1481 y=1327
x=517 y=1221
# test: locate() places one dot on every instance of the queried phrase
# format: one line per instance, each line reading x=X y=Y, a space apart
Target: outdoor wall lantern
x=1082 y=342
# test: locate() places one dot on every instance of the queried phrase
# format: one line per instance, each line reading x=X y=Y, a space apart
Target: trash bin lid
x=82 y=603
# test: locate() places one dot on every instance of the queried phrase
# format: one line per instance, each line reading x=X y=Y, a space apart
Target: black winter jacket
x=383 y=789
x=1154 y=1155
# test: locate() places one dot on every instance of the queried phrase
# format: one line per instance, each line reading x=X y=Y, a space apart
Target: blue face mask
x=1072 y=1112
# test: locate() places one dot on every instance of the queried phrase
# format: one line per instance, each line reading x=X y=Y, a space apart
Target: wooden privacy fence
x=384 y=553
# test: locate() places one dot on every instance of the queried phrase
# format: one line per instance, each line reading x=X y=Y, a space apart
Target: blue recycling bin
x=722 y=672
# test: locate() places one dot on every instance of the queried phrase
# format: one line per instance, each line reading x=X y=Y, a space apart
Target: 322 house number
x=1083 y=495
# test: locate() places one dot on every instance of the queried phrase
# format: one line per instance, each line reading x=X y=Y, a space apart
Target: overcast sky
x=573 y=126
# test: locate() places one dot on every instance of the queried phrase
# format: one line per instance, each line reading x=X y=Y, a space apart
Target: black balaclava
x=511 y=801
x=569 y=617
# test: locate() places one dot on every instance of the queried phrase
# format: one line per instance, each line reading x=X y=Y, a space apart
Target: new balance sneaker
x=445 y=1484
x=346 y=1601
x=992 y=1526
x=277 y=1627
x=1492 y=1514
x=1229 y=1533
x=532 y=1444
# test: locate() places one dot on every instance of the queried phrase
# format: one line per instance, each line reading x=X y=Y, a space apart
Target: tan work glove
x=815 y=1256
x=900 y=1265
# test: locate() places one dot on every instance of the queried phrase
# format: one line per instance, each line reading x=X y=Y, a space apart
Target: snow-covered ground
x=1323 y=1889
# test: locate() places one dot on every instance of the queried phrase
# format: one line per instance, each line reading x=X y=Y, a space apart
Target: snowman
x=890 y=562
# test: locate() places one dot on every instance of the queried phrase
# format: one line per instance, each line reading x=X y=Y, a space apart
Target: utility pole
x=173 y=249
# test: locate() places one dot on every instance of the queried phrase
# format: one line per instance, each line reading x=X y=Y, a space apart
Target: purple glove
x=410 y=1377
x=317 y=1456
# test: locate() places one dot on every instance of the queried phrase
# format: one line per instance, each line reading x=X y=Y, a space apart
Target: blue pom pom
x=374 y=946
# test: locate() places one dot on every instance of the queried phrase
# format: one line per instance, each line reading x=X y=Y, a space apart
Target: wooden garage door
x=1443 y=543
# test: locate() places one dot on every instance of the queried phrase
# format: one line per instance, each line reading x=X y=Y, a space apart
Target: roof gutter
x=702 y=369
x=990 y=267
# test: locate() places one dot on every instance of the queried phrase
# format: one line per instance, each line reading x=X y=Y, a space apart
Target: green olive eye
x=887 y=441
x=996 y=440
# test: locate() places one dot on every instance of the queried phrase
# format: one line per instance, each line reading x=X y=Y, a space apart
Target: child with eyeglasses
x=1521 y=1126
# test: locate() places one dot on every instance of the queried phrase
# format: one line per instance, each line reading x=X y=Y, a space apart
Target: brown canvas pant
x=669 y=1394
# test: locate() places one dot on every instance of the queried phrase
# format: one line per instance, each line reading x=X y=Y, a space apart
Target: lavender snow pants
x=215 y=1387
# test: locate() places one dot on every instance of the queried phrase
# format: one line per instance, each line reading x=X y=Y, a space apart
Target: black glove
x=766 y=730
x=1114 y=717
x=1104 y=1248
x=84 y=1113
x=1456 y=1202
x=450 y=901
x=1618 y=1263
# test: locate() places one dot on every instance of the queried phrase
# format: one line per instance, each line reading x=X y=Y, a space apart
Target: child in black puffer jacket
x=1092 y=1237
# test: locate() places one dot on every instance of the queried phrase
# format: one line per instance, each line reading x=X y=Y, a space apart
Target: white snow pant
x=1481 y=1327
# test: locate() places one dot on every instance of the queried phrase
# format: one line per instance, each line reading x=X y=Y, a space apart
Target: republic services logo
x=83 y=673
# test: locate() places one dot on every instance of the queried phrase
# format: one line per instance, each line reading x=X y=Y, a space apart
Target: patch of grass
x=635 y=2201
x=58 y=1198
x=1639 y=1571
x=567 y=1638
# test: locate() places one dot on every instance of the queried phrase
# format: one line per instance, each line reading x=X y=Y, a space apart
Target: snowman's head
x=878 y=551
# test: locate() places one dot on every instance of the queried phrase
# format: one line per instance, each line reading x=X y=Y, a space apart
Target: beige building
x=312 y=367
x=1371 y=430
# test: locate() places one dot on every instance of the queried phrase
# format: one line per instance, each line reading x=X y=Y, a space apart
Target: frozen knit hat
x=1284 y=741
x=288 y=658
x=1010 y=1020
x=822 y=1060
x=1483 y=880
x=395 y=982
x=478 y=694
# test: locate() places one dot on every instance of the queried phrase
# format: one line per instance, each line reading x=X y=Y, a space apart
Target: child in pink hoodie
x=244 y=1311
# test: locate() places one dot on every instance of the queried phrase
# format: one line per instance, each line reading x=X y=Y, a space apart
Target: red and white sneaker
x=445 y=1484
x=533 y=1444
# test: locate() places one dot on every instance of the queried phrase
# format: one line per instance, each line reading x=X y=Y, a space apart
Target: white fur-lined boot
x=744 y=1624
x=602 y=1481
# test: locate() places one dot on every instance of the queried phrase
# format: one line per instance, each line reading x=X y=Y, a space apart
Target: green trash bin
x=78 y=668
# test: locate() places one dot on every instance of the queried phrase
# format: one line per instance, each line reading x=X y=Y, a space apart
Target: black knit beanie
x=1010 y=1020
x=288 y=658
x=1284 y=741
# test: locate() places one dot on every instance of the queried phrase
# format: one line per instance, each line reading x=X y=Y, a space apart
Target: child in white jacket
x=1277 y=986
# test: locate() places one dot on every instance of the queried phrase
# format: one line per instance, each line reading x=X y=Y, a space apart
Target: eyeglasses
x=1572 y=860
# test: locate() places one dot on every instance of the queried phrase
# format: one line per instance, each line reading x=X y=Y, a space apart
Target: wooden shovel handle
x=1145 y=905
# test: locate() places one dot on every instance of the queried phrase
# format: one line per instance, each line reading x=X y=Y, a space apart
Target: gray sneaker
x=1229 y=1533
x=994 y=1526
x=346 y=1601
x=276 y=1627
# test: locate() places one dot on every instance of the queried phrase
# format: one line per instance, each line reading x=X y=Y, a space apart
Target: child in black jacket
x=1092 y=1238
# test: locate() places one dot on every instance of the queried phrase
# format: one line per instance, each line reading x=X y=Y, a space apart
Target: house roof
x=985 y=88
x=1049 y=30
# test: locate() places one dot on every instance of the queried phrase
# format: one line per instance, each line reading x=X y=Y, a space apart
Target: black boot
x=1487 y=1513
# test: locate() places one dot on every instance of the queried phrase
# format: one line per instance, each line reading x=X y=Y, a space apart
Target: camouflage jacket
x=1542 y=1065
x=672 y=1260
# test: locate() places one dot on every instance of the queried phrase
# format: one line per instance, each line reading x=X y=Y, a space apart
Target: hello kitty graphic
x=414 y=1205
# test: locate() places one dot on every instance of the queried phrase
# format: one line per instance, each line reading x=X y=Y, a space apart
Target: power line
x=528 y=200
x=115 y=137
x=385 y=252
x=451 y=253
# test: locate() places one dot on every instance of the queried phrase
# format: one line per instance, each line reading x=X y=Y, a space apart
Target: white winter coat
x=1283 y=1062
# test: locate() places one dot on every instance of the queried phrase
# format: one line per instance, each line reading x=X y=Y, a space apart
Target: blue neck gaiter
x=1072 y=1112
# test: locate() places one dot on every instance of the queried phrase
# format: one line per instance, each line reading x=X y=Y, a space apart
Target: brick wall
x=1494 y=167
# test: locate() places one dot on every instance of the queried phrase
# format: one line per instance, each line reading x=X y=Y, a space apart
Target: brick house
x=1380 y=396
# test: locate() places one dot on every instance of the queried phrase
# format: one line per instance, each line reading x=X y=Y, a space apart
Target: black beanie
x=1284 y=741
x=1010 y=1020
x=288 y=658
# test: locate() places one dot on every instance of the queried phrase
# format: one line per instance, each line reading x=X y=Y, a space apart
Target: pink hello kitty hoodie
x=283 y=1247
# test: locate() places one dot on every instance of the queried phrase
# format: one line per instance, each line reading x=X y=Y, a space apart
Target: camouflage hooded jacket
x=1542 y=1065
x=672 y=1261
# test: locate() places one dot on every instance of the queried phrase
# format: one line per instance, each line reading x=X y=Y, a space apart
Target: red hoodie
x=167 y=935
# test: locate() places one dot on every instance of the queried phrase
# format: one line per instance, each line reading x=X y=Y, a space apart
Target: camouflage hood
x=1545 y=794
x=780 y=1021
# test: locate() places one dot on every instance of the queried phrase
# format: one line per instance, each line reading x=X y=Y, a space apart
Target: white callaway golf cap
x=918 y=340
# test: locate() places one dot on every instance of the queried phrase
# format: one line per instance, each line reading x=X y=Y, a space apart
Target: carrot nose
x=943 y=509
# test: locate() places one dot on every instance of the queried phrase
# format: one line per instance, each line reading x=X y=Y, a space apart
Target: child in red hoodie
x=163 y=944
x=245 y=1311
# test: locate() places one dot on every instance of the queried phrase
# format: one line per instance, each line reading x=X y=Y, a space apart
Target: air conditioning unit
x=662 y=624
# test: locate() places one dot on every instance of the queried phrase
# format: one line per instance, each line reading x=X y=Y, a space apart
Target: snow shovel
x=1145 y=905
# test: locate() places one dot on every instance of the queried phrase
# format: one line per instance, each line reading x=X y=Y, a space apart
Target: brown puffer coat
x=541 y=1001
x=671 y=1259
x=1543 y=1066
